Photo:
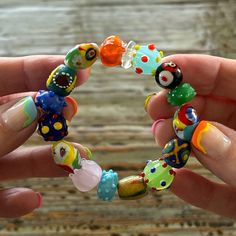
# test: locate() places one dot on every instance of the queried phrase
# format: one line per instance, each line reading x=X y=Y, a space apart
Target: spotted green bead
x=181 y=94
x=158 y=175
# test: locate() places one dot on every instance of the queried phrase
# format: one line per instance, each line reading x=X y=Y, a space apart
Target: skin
x=214 y=81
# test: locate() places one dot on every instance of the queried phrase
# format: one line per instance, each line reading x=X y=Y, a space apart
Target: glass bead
x=108 y=185
x=82 y=56
x=132 y=187
x=181 y=94
x=185 y=121
x=176 y=153
x=146 y=59
x=126 y=60
x=66 y=156
x=158 y=175
x=168 y=75
x=111 y=51
x=62 y=80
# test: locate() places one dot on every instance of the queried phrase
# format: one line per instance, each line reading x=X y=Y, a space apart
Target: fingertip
x=83 y=76
x=71 y=109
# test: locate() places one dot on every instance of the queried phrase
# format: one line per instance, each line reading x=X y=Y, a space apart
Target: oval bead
x=132 y=187
x=176 y=153
x=158 y=175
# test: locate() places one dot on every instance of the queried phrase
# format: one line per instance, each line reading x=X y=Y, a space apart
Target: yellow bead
x=57 y=125
x=45 y=129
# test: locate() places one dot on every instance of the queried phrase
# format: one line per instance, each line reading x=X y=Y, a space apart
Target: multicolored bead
x=176 y=153
x=158 y=175
x=168 y=75
x=82 y=56
x=108 y=185
x=185 y=121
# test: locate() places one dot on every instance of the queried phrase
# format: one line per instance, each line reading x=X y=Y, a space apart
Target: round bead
x=146 y=59
x=46 y=127
x=62 y=80
x=111 y=51
x=82 y=56
x=181 y=94
x=66 y=156
x=159 y=179
x=107 y=186
x=132 y=187
x=168 y=75
x=185 y=121
x=176 y=153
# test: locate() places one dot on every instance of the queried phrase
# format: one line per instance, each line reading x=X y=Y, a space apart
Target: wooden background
x=111 y=120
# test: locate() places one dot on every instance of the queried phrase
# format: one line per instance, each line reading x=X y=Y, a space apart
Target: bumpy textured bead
x=82 y=56
x=158 y=175
x=168 y=75
x=62 y=80
x=50 y=102
x=87 y=177
x=146 y=59
x=132 y=187
x=107 y=186
x=176 y=153
x=185 y=121
x=66 y=156
x=52 y=127
x=181 y=94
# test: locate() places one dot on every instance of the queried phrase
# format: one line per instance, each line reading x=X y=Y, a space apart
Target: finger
x=208 y=74
x=30 y=73
x=17 y=202
x=34 y=162
x=203 y=193
x=215 y=147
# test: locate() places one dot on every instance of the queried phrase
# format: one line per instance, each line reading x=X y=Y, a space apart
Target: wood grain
x=111 y=119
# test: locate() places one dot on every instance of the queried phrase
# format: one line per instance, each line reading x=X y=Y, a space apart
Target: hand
x=214 y=80
x=19 y=77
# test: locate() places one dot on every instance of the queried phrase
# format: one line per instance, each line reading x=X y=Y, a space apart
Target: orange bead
x=111 y=51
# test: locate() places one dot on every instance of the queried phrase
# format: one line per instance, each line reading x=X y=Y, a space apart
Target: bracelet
x=86 y=174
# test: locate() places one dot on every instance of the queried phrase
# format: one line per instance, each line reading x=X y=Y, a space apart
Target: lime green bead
x=181 y=94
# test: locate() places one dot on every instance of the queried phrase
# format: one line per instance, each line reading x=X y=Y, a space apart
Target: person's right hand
x=214 y=80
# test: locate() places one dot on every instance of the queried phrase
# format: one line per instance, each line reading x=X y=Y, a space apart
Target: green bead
x=158 y=175
x=181 y=94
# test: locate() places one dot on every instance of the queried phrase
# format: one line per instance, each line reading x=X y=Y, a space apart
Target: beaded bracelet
x=87 y=174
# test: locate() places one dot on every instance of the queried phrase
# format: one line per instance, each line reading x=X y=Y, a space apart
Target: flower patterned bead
x=108 y=185
x=146 y=59
x=82 y=56
x=176 y=153
x=66 y=156
x=62 y=80
x=168 y=75
x=158 y=175
x=185 y=121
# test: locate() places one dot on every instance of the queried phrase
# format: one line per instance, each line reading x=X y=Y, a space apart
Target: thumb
x=17 y=123
x=215 y=147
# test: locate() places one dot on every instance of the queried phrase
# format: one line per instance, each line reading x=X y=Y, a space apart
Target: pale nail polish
x=147 y=99
x=154 y=125
x=40 y=200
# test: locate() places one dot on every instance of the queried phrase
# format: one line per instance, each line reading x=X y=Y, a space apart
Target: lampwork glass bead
x=62 y=80
x=181 y=94
x=132 y=187
x=66 y=156
x=111 y=51
x=176 y=153
x=108 y=185
x=126 y=60
x=82 y=56
x=52 y=127
x=87 y=177
x=146 y=59
x=48 y=101
x=185 y=121
x=158 y=175
x=168 y=75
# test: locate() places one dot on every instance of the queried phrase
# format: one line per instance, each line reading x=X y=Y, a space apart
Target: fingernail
x=210 y=141
x=40 y=200
x=19 y=115
x=154 y=126
x=71 y=109
x=88 y=152
x=147 y=99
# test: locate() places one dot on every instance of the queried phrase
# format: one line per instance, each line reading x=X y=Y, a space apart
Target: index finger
x=30 y=73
